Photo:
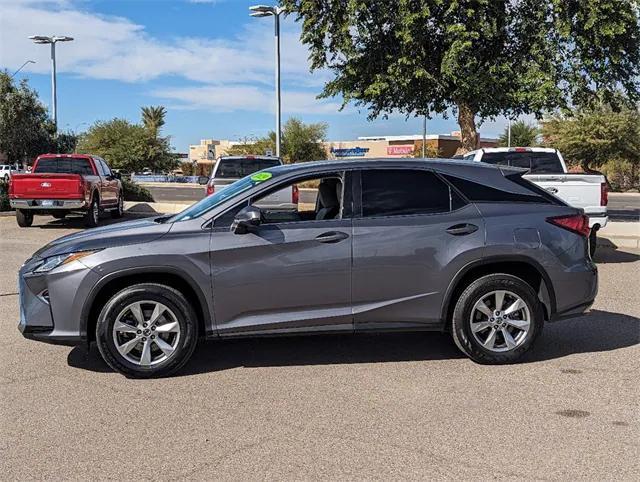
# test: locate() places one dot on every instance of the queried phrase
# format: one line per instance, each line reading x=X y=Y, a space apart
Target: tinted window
x=232 y=168
x=481 y=193
x=64 y=165
x=536 y=162
x=404 y=192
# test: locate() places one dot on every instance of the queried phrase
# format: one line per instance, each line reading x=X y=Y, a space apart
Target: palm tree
x=153 y=118
x=522 y=135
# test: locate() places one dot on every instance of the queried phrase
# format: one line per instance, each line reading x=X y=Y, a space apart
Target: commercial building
x=368 y=147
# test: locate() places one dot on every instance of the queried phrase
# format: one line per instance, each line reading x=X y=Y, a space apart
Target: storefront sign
x=399 y=150
x=349 y=152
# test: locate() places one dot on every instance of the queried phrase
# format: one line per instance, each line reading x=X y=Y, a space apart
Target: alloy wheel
x=146 y=333
x=500 y=321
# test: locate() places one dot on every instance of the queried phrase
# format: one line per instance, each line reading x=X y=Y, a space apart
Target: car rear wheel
x=92 y=216
x=24 y=218
x=147 y=330
x=497 y=319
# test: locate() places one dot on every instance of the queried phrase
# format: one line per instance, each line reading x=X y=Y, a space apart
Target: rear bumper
x=48 y=204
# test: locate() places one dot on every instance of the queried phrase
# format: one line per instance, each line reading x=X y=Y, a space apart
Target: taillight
x=576 y=223
x=604 y=194
x=81 y=186
x=295 y=194
x=210 y=189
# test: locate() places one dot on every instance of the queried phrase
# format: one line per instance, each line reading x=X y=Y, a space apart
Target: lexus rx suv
x=388 y=245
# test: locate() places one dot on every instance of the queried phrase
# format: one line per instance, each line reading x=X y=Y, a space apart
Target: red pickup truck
x=63 y=183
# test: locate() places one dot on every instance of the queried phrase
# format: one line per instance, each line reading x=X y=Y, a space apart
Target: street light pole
x=266 y=11
x=43 y=39
x=22 y=67
x=424 y=137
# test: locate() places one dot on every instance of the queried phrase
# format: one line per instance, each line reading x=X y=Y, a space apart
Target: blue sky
x=207 y=61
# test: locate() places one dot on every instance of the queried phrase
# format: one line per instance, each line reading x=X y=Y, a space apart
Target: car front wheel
x=147 y=330
x=497 y=319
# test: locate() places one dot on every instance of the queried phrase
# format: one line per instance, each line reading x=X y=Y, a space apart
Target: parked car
x=392 y=245
x=6 y=171
x=229 y=169
x=60 y=184
x=548 y=170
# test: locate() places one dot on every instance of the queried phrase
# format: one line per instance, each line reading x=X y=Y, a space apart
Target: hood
x=120 y=234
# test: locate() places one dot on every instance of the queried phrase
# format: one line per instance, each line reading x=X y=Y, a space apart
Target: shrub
x=135 y=192
x=621 y=174
x=4 y=196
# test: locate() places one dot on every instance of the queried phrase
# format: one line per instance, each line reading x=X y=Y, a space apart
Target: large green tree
x=25 y=128
x=523 y=134
x=127 y=146
x=300 y=142
x=596 y=136
x=476 y=58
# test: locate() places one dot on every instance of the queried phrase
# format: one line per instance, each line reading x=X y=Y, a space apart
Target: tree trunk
x=467 y=122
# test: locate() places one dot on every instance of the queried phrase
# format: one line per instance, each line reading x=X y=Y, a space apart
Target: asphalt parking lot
x=328 y=407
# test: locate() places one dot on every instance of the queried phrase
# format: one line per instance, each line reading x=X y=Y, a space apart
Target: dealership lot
x=378 y=406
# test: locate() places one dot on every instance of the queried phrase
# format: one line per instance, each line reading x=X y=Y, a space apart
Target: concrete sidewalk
x=615 y=234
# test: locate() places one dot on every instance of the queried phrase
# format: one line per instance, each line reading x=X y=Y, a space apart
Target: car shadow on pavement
x=599 y=331
x=612 y=255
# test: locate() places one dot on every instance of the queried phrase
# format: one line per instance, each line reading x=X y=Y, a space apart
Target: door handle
x=462 y=229
x=331 y=237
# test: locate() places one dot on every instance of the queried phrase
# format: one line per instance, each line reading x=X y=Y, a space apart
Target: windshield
x=232 y=190
x=230 y=168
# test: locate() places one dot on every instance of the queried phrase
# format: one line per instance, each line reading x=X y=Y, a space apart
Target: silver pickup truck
x=548 y=170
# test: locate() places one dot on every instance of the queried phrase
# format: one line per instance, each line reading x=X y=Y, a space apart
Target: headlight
x=55 y=261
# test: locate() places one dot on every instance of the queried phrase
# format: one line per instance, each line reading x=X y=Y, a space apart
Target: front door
x=285 y=276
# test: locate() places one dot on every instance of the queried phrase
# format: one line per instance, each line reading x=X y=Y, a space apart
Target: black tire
x=59 y=215
x=461 y=321
x=24 y=218
x=147 y=292
x=92 y=216
x=119 y=211
x=593 y=242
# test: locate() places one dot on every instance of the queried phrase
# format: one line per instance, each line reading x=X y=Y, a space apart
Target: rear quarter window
x=477 y=192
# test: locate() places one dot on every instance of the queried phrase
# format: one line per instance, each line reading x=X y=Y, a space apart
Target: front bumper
x=51 y=303
x=48 y=204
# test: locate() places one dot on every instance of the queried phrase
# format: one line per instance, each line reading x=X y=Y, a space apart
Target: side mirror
x=117 y=175
x=246 y=220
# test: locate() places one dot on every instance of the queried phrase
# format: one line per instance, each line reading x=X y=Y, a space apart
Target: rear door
x=412 y=234
x=108 y=181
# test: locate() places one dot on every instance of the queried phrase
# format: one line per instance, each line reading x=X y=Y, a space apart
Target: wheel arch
x=114 y=282
x=523 y=267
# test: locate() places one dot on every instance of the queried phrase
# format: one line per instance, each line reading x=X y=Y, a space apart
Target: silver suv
x=390 y=245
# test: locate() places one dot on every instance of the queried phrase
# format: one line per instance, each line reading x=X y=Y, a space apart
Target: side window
x=99 y=166
x=107 y=169
x=390 y=192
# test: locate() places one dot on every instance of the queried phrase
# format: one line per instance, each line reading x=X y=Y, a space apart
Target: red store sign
x=399 y=150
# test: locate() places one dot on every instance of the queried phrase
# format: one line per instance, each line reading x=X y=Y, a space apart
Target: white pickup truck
x=548 y=170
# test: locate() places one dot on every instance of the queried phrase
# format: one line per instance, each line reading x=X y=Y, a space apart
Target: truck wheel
x=593 y=242
x=92 y=216
x=24 y=218
x=119 y=211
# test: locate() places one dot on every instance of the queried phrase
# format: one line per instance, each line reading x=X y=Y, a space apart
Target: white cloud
x=115 y=48
x=224 y=98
